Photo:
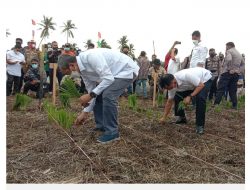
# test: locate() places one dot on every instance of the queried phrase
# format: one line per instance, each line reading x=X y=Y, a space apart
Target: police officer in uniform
x=213 y=65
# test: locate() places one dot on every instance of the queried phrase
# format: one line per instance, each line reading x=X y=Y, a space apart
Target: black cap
x=157 y=62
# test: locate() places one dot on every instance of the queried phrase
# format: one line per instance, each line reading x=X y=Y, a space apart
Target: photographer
x=53 y=58
x=14 y=60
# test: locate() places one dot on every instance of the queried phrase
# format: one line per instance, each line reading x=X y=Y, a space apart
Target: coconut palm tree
x=68 y=27
x=122 y=41
x=7 y=32
x=46 y=24
x=131 y=50
x=104 y=44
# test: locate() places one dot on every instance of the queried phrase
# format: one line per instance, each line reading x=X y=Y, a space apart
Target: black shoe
x=200 y=130
x=97 y=129
x=181 y=120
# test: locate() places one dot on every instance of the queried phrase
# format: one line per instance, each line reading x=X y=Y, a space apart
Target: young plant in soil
x=68 y=90
x=60 y=116
x=160 y=100
x=21 y=102
x=132 y=101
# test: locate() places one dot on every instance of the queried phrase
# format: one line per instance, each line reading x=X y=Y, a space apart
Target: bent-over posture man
x=106 y=73
x=183 y=86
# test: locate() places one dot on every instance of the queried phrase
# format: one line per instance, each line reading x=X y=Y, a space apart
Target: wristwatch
x=92 y=95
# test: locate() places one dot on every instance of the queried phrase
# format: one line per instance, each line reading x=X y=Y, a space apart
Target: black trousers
x=34 y=87
x=10 y=80
x=230 y=81
x=213 y=89
x=200 y=100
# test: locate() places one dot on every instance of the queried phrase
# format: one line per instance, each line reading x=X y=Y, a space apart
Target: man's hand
x=34 y=82
x=187 y=100
x=81 y=118
x=85 y=100
x=163 y=119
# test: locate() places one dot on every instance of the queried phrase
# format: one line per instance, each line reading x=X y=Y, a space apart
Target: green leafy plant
x=64 y=98
x=241 y=101
x=68 y=90
x=21 y=102
x=60 y=116
x=160 y=100
x=181 y=106
x=132 y=101
x=218 y=109
x=69 y=87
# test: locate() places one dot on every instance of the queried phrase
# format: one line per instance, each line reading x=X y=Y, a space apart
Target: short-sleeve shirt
x=189 y=79
x=14 y=69
x=174 y=66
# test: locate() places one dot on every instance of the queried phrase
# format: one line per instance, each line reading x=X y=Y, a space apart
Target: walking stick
x=42 y=76
x=54 y=84
x=154 y=94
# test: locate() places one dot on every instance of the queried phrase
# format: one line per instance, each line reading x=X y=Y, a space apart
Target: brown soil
x=148 y=152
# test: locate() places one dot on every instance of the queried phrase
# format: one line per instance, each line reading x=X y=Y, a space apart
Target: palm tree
x=68 y=27
x=46 y=24
x=104 y=44
x=89 y=41
x=122 y=41
x=7 y=32
x=131 y=50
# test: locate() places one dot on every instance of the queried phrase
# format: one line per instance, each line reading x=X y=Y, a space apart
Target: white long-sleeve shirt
x=199 y=55
x=99 y=68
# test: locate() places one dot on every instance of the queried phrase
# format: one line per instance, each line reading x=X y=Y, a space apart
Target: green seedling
x=181 y=106
x=64 y=98
x=21 y=102
x=68 y=87
x=132 y=101
x=59 y=116
x=160 y=100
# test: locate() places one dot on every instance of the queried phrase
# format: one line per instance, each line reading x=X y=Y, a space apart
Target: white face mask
x=195 y=42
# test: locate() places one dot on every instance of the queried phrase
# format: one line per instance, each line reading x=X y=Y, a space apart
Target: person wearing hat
x=156 y=68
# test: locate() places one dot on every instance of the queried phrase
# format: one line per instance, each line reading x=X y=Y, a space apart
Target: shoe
x=108 y=138
x=97 y=129
x=181 y=120
x=200 y=130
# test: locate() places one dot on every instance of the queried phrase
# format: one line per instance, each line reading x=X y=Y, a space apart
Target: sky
x=143 y=21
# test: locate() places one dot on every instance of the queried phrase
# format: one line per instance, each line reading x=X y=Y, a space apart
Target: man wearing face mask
x=106 y=73
x=213 y=65
x=14 y=60
x=183 y=86
x=199 y=52
x=67 y=50
x=32 y=78
x=20 y=42
x=53 y=58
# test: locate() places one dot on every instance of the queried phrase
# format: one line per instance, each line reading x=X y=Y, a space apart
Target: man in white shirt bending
x=183 y=86
x=14 y=60
x=199 y=52
x=106 y=73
